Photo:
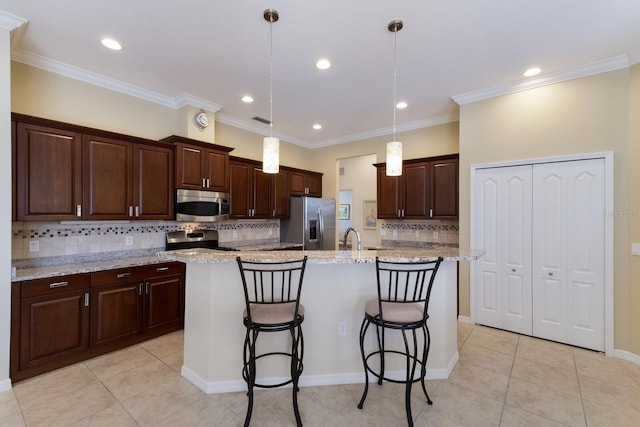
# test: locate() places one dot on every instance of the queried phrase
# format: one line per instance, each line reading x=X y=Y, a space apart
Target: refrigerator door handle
x=321 y=226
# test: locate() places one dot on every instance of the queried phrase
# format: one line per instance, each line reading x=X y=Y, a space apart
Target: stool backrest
x=405 y=282
x=267 y=282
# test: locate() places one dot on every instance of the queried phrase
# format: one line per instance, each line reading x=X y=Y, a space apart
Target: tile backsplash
x=443 y=232
x=59 y=239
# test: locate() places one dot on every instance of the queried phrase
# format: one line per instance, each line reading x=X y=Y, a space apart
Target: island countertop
x=323 y=257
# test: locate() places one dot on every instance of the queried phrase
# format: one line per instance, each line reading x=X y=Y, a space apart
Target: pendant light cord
x=395 y=54
x=270 y=77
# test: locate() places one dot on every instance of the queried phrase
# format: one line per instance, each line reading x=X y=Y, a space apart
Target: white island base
x=334 y=293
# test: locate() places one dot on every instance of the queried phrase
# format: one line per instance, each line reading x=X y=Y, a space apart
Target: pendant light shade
x=394 y=148
x=271 y=145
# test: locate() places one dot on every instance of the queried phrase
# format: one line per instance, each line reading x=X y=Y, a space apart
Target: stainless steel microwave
x=201 y=206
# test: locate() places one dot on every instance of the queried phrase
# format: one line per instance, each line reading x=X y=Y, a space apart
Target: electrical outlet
x=383 y=232
x=395 y=233
x=417 y=233
x=234 y=234
x=342 y=328
x=436 y=235
x=271 y=232
x=128 y=240
x=635 y=249
x=34 y=246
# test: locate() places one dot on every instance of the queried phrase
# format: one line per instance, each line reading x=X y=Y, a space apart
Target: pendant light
x=271 y=145
x=394 y=148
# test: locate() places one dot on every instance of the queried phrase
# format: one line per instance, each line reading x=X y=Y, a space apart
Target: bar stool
x=404 y=289
x=272 y=297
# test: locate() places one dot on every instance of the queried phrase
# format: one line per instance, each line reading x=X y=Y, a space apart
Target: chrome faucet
x=346 y=233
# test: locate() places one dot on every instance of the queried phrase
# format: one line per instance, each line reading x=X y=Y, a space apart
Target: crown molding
x=434 y=121
x=634 y=58
x=260 y=129
x=185 y=99
x=10 y=22
x=611 y=64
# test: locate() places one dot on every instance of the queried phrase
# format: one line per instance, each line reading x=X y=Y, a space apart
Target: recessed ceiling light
x=247 y=98
x=401 y=105
x=317 y=126
x=111 y=44
x=532 y=72
x=323 y=64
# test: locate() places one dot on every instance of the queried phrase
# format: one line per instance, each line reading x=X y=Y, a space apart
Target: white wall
x=5 y=208
x=359 y=177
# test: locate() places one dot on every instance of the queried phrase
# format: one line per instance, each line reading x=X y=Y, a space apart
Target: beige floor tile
x=165 y=344
x=464 y=329
x=159 y=403
x=471 y=355
x=547 y=352
x=603 y=415
x=499 y=341
x=13 y=420
x=174 y=360
x=115 y=415
x=515 y=417
x=481 y=380
x=597 y=365
x=41 y=389
x=135 y=381
x=69 y=408
x=559 y=379
x=455 y=405
x=549 y=403
x=119 y=361
x=208 y=411
x=622 y=398
x=8 y=404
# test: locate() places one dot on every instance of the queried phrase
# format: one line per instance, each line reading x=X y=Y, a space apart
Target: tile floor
x=502 y=379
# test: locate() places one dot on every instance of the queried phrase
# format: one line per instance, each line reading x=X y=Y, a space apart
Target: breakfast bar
x=336 y=286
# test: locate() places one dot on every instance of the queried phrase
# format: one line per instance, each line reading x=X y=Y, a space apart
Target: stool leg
x=411 y=368
x=363 y=331
x=296 y=368
x=425 y=354
x=250 y=369
x=381 y=348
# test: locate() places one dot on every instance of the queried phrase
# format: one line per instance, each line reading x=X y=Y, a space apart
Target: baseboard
x=626 y=355
x=464 y=319
x=5 y=385
x=309 y=380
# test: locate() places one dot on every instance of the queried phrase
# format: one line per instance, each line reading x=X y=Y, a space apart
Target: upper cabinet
x=67 y=172
x=427 y=189
x=305 y=183
x=200 y=165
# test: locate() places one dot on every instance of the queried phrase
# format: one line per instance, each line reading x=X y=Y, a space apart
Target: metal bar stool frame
x=400 y=284
x=272 y=284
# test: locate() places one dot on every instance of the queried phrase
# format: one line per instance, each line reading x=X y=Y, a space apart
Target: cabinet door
x=281 y=202
x=297 y=184
x=240 y=203
x=116 y=312
x=107 y=179
x=388 y=191
x=53 y=328
x=217 y=167
x=314 y=185
x=49 y=173
x=164 y=305
x=190 y=165
x=153 y=180
x=414 y=186
x=443 y=189
x=262 y=194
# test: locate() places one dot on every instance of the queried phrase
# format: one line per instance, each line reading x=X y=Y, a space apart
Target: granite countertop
x=270 y=246
x=323 y=257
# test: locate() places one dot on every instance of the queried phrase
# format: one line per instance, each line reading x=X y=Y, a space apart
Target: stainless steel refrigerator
x=312 y=223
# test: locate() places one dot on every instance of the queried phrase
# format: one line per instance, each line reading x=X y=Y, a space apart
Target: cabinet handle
x=402 y=213
x=58 y=285
x=204 y=183
x=79 y=211
x=123 y=275
x=550 y=273
x=430 y=213
x=399 y=215
x=274 y=213
x=140 y=288
x=513 y=270
x=131 y=211
x=137 y=211
x=146 y=286
x=159 y=269
x=208 y=183
x=86 y=299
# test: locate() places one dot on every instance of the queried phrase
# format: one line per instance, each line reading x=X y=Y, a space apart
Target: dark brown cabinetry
x=255 y=194
x=48 y=173
x=200 y=165
x=50 y=323
x=59 y=321
x=303 y=183
x=427 y=189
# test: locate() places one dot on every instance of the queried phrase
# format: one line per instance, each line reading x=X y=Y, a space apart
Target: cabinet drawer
x=52 y=285
x=119 y=275
x=165 y=269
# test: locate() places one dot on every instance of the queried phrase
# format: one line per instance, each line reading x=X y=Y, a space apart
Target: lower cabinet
x=59 y=321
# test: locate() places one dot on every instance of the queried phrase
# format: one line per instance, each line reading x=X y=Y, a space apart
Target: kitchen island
x=336 y=286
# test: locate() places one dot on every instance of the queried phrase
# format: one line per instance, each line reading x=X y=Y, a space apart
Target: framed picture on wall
x=344 y=211
x=370 y=214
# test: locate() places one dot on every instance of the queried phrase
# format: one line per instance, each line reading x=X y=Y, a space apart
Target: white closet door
x=502 y=219
x=568 y=252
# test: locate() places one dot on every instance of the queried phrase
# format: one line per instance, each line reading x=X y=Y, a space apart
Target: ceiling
x=211 y=53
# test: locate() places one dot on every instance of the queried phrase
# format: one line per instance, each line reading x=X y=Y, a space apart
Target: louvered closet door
x=502 y=220
x=568 y=252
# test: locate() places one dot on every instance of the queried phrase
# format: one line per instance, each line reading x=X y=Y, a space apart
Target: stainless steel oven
x=201 y=206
